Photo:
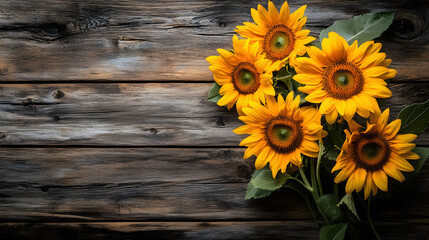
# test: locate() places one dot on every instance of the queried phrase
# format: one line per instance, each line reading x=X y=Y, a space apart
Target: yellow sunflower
x=280 y=35
x=245 y=75
x=280 y=132
x=369 y=155
x=344 y=79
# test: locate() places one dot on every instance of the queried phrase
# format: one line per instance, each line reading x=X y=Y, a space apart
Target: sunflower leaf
x=349 y=202
x=333 y=232
x=328 y=204
x=361 y=28
x=214 y=95
x=423 y=152
x=284 y=75
x=253 y=192
x=263 y=179
x=414 y=118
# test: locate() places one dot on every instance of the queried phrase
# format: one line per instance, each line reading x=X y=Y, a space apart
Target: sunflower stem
x=319 y=160
x=308 y=187
x=316 y=191
x=370 y=221
x=307 y=183
x=312 y=213
x=307 y=202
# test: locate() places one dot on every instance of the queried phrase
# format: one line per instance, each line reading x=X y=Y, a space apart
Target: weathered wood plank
x=169 y=40
x=133 y=114
x=126 y=184
x=159 y=230
x=158 y=184
x=412 y=229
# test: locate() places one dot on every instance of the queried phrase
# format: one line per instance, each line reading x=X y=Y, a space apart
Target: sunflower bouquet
x=310 y=106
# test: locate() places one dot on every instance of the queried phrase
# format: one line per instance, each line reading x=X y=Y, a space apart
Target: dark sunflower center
x=278 y=42
x=284 y=135
x=370 y=152
x=246 y=78
x=343 y=80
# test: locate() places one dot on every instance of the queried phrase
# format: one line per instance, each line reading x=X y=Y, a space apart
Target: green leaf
x=333 y=232
x=361 y=28
x=414 y=118
x=332 y=154
x=328 y=204
x=349 y=202
x=284 y=76
x=334 y=141
x=214 y=93
x=255 y=193
x=423 y=152
x=263 y=179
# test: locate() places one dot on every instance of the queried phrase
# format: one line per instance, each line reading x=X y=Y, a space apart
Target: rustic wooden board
x=414 y=229
x=169 y=40
x=158 y=184
x=152 y=114
x=118 y=141
x=158 y=230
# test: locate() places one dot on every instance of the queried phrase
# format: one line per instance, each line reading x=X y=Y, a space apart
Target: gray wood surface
x=134 y=184
x=150 y=114
x=289 y=230
x=105 y=132
x=169 y=40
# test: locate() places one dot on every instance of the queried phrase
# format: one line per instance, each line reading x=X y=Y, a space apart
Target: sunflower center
x=246 y=78
x=370 y=152
x=278 y=42
x=283 y=135
x=342 y=80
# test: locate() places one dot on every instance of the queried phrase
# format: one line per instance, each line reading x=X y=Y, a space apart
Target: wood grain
x=133 y=114
x=169 y=40
x=157 y=230
x=118 y=142
x=159 y=184
x=414 y=229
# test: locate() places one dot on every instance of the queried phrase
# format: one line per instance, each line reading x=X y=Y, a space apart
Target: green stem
x=370 y=221
x=319 y=160
x=308 y=187
x=312 y=213
x=316 y=192
x=305 y=197
x=304 y=177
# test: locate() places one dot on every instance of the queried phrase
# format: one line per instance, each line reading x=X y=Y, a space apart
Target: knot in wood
x=409 y=25
x=50 y=31
x=58 y=94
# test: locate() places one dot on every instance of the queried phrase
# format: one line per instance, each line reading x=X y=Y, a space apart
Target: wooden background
x=105 y=132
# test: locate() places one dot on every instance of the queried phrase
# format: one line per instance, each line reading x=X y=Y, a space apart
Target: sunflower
x=344 y=79
x=280 y=35
x=280 y=132
x=244 y=74
x=369 y=155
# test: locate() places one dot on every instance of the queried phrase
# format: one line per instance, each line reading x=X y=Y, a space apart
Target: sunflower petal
x=284 y=13
x=380 y=180
x=368 y=185
x=393 y=171
x=262 y=158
